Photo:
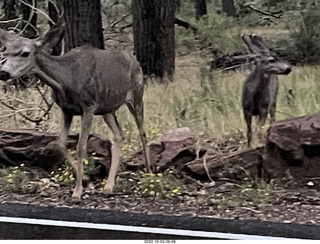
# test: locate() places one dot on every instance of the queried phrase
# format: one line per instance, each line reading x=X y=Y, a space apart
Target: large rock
x=40 y=149
x=173 y=149
x=293 y=148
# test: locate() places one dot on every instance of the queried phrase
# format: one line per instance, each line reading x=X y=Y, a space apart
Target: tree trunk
x=29 y=17
x=228 y=7
x=153 y=32
x=201 y=8
x=9 y=9
x=83 y=23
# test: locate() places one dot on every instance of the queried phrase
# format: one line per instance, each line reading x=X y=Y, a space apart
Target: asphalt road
x=22 y=221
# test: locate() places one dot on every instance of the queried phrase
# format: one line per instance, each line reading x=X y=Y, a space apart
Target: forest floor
x=287 y=204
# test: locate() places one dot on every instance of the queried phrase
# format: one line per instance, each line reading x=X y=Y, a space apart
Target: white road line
x=153 y=230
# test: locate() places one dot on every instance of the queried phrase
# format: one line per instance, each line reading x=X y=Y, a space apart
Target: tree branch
x=185 y=24
x=276 y=14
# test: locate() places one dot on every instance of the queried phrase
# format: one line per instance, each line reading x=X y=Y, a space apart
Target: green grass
x=251 y=193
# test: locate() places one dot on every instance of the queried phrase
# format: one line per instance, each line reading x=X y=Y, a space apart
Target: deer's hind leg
x=114 y=126
x=135 y=106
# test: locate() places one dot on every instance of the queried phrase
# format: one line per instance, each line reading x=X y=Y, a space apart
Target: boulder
x=173 y=149
x=293 y=148
x=40 y=149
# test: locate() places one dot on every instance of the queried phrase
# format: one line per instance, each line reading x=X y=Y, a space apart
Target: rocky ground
x=227 y=196
x=287 y=204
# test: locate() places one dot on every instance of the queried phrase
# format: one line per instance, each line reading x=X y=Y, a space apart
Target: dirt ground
x=287 y=204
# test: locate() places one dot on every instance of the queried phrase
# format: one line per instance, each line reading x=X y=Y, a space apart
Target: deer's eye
x=25 y=54
x=272 y=61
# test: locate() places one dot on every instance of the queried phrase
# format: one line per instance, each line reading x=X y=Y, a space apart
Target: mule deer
x=260 y=90
x=85 y=81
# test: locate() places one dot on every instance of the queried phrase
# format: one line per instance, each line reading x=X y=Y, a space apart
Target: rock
x=45 y=181
x=293 y=148
x=173 y=149
x=41 y=149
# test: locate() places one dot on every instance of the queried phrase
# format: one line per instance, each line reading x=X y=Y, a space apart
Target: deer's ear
x=53 y=36
x=6 y=35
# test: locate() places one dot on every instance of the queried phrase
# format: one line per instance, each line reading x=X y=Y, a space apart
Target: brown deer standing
x=86 y=81
x=260 y=90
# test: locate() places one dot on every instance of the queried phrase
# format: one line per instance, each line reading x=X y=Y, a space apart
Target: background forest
x=202 y=97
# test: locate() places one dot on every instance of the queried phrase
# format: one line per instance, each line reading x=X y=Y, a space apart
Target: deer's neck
x=54 y=66
x=260 y=77
x=52 y=70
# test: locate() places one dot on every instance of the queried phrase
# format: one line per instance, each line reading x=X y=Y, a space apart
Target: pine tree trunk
x=83 y=23
x=9 y=9
x=228 y=7
x=201 y=8
x=153 y=31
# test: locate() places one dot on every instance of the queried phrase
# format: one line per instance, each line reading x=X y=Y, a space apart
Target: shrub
x=215 y=31
x=163 y=185
x=17 y=180
x=250 y=193
x=66 y=175
x=158 y=185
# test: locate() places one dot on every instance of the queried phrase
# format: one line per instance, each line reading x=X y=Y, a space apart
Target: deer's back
x=100 y=76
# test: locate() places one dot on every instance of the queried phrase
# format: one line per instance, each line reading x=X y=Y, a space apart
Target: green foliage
x=214 y=31
x=66 y=175
x=163 y=185
x=251 y=193
x=17 y=180
x=219 y=32
x=305 y=35
x=115 y=10
x=91 y=168
x=158 y=185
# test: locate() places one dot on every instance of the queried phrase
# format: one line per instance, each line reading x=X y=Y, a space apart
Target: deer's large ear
x=54 y=35
x=6 y=35
x=247 y=42
x=258 y=42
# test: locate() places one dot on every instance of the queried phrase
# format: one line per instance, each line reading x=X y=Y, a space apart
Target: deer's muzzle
x=4 y=75
x=288 y=71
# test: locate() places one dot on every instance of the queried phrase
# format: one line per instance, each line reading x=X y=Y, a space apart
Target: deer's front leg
x=66 y=120
x=86 y=121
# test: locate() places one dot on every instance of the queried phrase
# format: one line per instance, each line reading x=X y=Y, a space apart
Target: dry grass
x=209 y=106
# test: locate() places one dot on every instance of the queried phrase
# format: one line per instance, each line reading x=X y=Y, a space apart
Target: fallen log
x=40 y=149
x=234 y=165
x=293 y=148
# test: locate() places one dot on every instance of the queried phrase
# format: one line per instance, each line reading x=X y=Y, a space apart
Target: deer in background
x=260 y=90
x=85 y=81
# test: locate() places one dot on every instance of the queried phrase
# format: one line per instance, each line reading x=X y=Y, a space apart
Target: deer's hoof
x=107 y=190
x=76 y=196
x=75 y=200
